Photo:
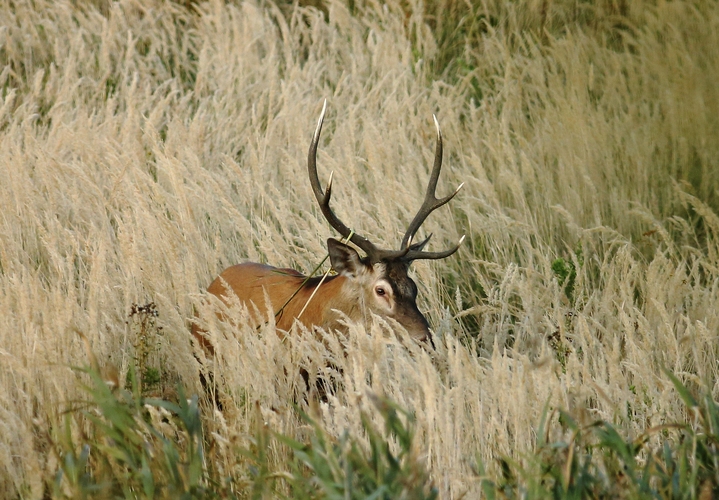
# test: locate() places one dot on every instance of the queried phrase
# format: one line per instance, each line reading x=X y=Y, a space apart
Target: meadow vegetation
x=146 y=146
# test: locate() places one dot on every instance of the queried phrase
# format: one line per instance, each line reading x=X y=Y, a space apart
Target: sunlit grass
x=146 y=146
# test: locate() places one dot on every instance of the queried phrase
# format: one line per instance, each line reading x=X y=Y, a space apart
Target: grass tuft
x=672 y=460
x=136 y=447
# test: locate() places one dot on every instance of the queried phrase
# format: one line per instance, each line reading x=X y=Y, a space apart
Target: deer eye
x=380 y=291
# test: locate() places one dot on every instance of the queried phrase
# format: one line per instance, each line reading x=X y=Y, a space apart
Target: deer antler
x=429 y=205
x=408 y=251
x=323 y=198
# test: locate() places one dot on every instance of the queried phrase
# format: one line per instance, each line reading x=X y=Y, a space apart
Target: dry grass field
x=146 y=146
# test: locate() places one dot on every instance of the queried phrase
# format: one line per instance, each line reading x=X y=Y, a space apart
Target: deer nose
x=425 y=339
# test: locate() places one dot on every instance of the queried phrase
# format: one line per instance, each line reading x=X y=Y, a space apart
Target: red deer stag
x=377 y=283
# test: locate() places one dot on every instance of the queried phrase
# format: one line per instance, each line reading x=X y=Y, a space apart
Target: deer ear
x=345 y=259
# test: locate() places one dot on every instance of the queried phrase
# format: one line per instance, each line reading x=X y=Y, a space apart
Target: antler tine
x=429 y=205
x=417 y=255
x=323 y=196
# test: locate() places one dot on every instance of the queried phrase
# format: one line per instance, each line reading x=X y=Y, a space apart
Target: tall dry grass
x=144 y=147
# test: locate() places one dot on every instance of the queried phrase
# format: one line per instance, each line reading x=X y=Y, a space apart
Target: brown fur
x=351 y=294
x=251 y=281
